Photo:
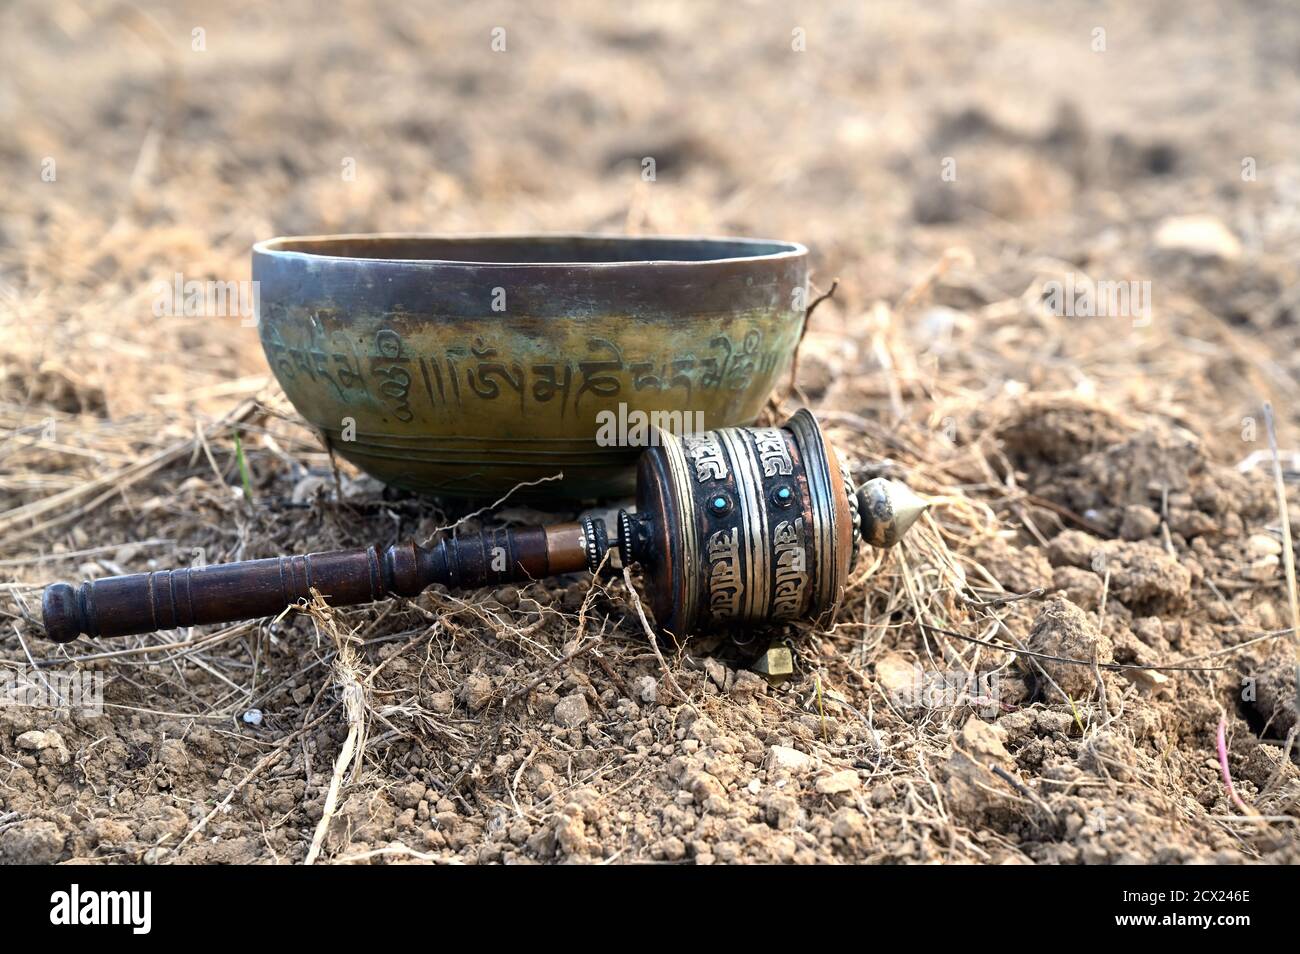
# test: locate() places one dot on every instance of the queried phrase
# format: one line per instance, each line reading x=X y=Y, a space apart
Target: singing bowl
x=465 y=366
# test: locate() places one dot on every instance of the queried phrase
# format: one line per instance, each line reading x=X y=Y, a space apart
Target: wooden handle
x=144 y=602
x=224 y=593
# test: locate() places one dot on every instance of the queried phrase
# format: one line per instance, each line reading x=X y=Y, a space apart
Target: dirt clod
x=971 y=787
x=32 y=843
x=783 y=760
x=837 y=783
x=1062 y=629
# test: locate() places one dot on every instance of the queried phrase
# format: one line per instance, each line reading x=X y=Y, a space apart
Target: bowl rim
x=276 y=248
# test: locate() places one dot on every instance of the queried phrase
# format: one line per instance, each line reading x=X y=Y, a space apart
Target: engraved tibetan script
x=419 y=379
x=791 y=569
x=706 y=453
x=772 y=452
x=725 y=587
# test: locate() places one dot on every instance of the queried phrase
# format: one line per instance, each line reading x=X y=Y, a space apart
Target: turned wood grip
x=227 y=592
x=166 y=599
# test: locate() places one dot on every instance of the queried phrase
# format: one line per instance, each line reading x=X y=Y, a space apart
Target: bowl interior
x=532 y=250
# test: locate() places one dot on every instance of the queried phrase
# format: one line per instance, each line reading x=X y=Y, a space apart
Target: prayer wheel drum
x=742 y=525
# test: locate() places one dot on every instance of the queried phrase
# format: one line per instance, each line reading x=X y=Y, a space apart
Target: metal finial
x=888 y=510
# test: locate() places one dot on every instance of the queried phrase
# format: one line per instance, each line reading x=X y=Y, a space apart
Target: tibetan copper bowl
x=465 y=366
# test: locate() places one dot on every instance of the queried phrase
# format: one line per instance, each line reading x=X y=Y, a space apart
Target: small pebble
x=1264 y=545
x=572 y=711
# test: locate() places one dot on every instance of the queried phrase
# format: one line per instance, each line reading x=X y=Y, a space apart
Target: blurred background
x=1021 y=140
